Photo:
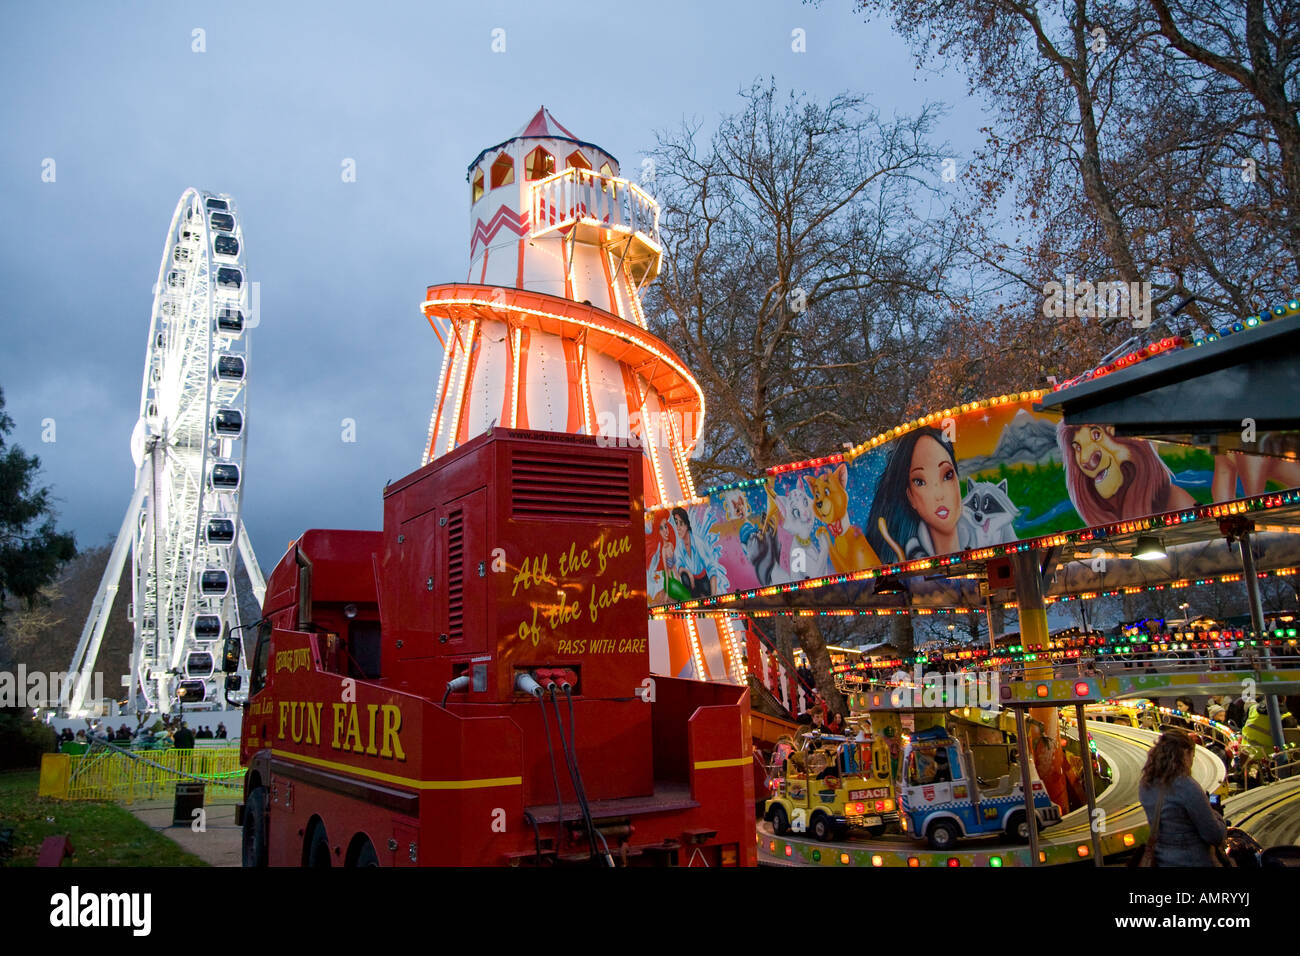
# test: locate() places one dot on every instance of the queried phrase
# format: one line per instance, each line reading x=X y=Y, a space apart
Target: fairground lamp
x=1149 y=548
x=889 y=584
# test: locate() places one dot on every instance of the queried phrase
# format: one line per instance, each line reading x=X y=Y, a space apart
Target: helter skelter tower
x=547 y=333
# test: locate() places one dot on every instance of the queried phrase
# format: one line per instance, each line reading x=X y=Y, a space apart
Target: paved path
x=218 y=845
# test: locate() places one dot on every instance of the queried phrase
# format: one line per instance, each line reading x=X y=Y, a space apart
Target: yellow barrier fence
x=127 y=776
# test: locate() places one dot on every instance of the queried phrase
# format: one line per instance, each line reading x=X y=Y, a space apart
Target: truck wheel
x=942 y=834
x=366 y=856
x=318 y=847
x=255 y=828
x=780 y=820
x=1018 y=827
x=822 y=828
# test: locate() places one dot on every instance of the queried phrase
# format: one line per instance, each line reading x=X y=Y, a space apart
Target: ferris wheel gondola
x=183 y=524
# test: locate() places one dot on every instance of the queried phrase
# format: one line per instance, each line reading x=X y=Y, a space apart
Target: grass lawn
x=102 y=834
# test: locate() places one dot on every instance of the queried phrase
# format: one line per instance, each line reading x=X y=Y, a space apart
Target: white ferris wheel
x=183 y=524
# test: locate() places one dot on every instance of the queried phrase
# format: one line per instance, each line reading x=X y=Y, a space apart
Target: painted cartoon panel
x=997 y=473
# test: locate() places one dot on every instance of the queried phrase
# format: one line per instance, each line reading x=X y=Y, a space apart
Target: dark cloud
x=282 y=96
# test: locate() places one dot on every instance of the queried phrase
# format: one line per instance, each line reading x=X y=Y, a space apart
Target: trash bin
x=189 y=797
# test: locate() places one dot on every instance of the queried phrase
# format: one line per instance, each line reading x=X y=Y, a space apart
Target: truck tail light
x=889 y=806
x=859 y=808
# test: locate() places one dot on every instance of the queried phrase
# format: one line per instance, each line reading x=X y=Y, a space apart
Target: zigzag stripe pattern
x=504 y=217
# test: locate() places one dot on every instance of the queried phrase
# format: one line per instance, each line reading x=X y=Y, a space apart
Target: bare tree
x=44 y=637
x=802 y=279
x=1255 y=46
x=1122 y=147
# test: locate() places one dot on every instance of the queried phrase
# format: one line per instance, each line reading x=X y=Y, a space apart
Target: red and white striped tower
x=547 y=333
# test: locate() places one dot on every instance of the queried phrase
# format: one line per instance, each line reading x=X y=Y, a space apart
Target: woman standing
x=1188 y=828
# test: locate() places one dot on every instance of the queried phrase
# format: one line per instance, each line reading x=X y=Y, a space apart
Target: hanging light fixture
x=1149 y=548
x=888 y=584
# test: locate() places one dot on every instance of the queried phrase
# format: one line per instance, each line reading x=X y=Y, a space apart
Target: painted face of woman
x=932 y=487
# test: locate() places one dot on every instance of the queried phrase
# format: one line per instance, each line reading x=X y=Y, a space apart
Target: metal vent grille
x=572 y=487
x=456 y=575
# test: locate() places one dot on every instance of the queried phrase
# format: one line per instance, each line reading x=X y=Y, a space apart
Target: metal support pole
x=988 y=616
x=1257 y=624
x=1034 y=638
x=1031 y=815
x=1085 y=754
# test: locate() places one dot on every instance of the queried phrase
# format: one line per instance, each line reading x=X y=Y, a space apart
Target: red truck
x=471 y=685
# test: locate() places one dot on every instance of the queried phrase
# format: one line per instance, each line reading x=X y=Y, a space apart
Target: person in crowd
x=942 y=769
x=183 y=738
x=1236 y=715
x=221 y=731
x=1183 y=706
x=1257 y=731
x=1188 y=829
x=819 y=704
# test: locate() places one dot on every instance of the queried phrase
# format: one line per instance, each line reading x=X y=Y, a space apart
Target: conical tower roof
x=542 y=125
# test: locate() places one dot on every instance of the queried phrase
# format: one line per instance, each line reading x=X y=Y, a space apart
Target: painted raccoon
x=988 y=514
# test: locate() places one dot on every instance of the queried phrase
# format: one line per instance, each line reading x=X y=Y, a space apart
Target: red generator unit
x=471 y=686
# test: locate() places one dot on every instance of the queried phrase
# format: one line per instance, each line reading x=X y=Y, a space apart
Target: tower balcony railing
x=602 y=210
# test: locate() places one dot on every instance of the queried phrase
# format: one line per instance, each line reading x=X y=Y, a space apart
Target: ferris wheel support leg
x=81 y=671
x=251 y=566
